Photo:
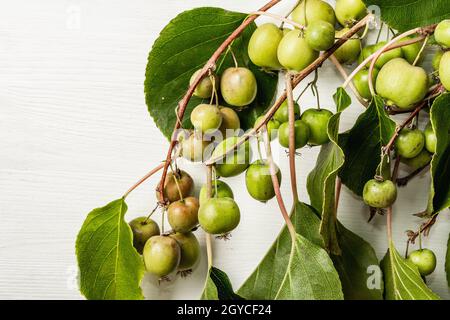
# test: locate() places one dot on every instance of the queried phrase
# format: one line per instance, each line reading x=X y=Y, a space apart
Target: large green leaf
x=301 y=271
x=218 y=286
x=402 y=279
x=110 y=267
x=440 y=165
x=321 y=181
x=362 y=146
x=408 y=14
x=184 y=46
x=447 y=262
x=353 y=266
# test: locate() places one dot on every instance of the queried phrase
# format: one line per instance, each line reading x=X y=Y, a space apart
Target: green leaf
x=404 y=15
x=218 y=287
x=300 y=271
x=362 y=146
x=183 y=47
x=110 y=267
x=321 y=184
x=440 y=165
x=447 y=262
x=402 y=279
x=342 y=99
x=353 y=266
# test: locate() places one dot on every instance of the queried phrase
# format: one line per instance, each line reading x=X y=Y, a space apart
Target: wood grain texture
x=75 y=134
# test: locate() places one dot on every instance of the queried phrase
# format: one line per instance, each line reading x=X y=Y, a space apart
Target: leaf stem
x=276 y=187
x=209 y=66
x=290 y=100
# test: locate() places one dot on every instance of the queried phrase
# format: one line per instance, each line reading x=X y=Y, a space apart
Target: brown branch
x=295 y=81
x=142 y=180
x=209 y=67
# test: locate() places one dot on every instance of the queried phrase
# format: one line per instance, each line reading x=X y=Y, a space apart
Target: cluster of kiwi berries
x=403 y=85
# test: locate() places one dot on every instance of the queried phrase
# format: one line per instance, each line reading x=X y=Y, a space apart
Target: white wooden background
x=75 y=134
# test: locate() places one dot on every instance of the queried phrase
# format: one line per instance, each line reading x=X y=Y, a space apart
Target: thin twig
x=280 y=18
x=369 y=58
x=344 y=75
x=276 y=187
x=142 y=180
x=291 y=111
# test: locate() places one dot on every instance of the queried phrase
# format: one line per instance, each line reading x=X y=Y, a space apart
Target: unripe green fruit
x=235 y=162
x=230 y=120
x=206 y=118
x=189 y=249
x=219 y=190
x=259 y=180
x=379 y=194
x=183 y=214
x=424 y=260
x=185 y=183
x=410 y=143
x=420 y=161
x=238 y=86
x=411 y=51
x=361 y=82
x=272 y=126
x=402 y=84
x=317 y=121
x=286 y=31
x=430 y=138
x=161 y=255
x=204 y=89
x=388 y=55
x=350 y=11
x=294 y=53
x=143 y=229
x=444 y=70
x=350 y=50
x=263 y=46
x=195 y=148
x=316 y=10
x=219 y=215
x=366 y=52
x=320 y=35
x=442 y=34
x=437 y=60
x=282 y=114
x=302 y=134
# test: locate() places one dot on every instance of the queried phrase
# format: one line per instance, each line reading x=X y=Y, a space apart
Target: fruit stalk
x=276 y=187
x=209 y=66
x=291 y=110
x=280 y=18
x=295 y=81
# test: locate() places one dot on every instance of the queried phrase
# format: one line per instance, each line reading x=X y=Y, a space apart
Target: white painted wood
x=75 y=133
